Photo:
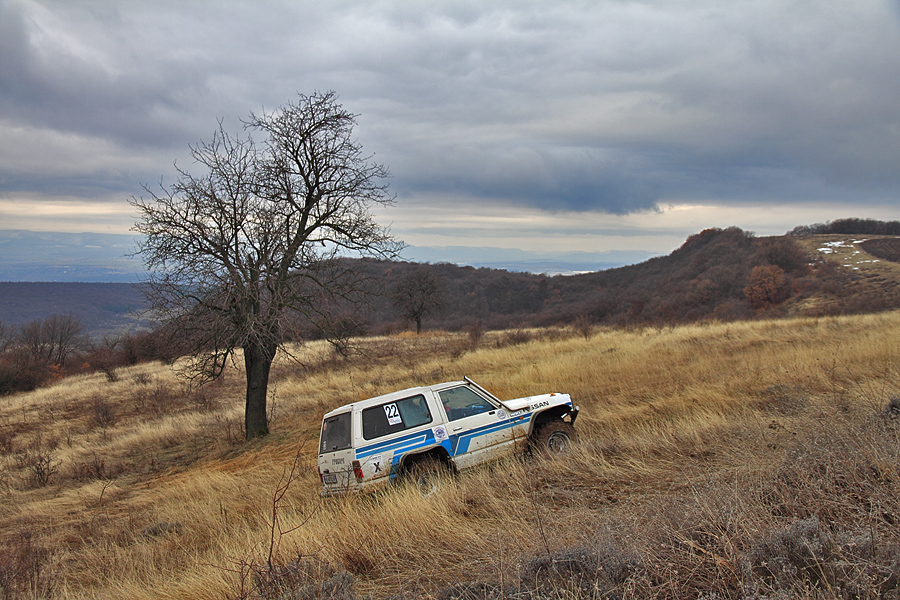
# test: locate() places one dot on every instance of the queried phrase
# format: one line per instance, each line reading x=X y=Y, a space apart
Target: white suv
x=423 y=432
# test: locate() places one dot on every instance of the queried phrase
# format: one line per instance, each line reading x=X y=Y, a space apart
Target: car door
x=479 y=430
x=336 y=453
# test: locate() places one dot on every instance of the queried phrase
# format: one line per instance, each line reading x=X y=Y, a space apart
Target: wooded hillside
x=722 y=274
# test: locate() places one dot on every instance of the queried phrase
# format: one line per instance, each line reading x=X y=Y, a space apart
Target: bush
x=19 y=372
x=39 y=464
x=601 y=570
x=765 y=287
x=792 y=556
x=805 y=556
x=303 y=579
x=892 y=410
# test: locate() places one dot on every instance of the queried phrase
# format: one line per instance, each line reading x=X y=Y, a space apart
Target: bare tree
x=7 y=336
x=418 y=294
x=240 y=254
x=53 y=339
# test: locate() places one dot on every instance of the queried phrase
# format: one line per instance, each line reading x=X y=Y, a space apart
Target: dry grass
x=847 y=251
x=742 y=460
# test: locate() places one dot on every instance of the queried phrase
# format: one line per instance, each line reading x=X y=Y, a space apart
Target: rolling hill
x=706 y=278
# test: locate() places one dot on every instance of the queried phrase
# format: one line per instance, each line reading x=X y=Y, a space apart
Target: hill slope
x=704 y=470
x=706 y=278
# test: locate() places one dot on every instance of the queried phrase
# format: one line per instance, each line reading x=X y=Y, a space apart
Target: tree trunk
x=257 y=362
x=418 y=325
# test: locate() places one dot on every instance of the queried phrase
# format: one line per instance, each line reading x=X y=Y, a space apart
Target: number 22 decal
x=392 y=414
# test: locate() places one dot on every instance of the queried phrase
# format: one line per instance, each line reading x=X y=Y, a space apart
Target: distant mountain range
x=104 y=257
x=93 y=276
x=522 y=261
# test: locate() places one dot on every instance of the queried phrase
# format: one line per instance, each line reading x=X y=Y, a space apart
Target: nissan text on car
x=423 y=432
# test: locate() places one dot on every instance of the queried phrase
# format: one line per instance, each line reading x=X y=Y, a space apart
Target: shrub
x=601 y=569
x=765 y=286
x=19 y=372
x=792 y=556
x=305 y=578
x=805 y=556
x=102 y=412
x=892 y=410
x=584 y=326
x=39 y=464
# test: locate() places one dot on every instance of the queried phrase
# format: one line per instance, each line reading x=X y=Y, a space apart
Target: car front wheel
x=554 y=438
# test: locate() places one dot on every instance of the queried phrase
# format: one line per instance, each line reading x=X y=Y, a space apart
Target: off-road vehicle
x=424 y=433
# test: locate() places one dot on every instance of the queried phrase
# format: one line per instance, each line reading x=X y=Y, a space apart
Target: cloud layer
x=609 y=107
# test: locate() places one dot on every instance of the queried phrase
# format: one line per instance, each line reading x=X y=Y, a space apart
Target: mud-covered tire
x=427 y=475
x=554 y=438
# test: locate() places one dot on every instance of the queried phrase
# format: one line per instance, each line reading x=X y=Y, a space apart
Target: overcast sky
x=541 y=125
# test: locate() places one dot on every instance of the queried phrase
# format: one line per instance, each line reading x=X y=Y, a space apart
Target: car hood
x=532 y=403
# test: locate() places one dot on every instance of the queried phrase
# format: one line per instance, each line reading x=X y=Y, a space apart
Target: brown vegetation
x=726 y=460
x=46 y=350
x=710 y=277
x=850 y=279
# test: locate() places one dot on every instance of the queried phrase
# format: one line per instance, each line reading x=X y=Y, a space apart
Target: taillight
x=321 y=477
x=357 y=470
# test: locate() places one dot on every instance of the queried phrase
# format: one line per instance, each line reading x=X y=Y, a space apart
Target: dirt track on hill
x=883 y=248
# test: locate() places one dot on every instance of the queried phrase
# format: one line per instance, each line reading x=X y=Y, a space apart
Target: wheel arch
x=436 y=452
x=554 y=413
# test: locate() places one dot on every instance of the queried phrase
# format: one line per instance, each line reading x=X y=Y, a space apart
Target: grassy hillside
x=866 y=271
x=731 y=460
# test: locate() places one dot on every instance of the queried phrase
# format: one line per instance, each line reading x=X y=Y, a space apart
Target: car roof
x=398 y=395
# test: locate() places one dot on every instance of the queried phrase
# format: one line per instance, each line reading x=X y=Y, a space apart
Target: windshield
x=335 y=433
x=462 y=402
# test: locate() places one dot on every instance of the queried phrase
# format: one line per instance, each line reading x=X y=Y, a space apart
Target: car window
x=395 y=416
x=461 y=402
x=336 y=433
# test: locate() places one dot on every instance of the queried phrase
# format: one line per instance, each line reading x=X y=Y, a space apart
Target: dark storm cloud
x=608 y=106
x=48 y=85
x=616 y=105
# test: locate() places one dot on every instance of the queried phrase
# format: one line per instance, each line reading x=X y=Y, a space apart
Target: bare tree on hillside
x=243 y=252
x=7 y=336
x=417 y=294
x=53 y=339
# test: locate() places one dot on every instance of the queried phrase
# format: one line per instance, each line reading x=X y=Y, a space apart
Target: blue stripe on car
x=420 y=438
x=457 y=444
x=462 y=441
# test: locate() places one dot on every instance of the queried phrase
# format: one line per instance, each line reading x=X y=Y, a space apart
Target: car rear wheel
x=427 y=474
